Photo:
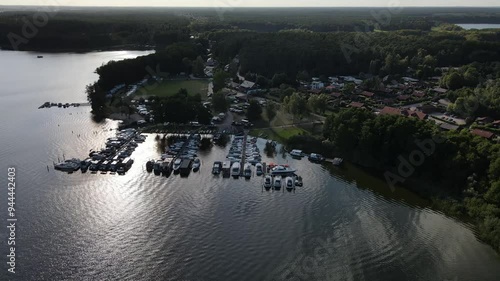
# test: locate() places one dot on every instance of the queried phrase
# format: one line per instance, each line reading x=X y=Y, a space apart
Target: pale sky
x=254 y=3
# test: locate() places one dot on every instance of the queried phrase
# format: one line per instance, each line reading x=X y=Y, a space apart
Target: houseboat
x=226 y=169
x=185 y=167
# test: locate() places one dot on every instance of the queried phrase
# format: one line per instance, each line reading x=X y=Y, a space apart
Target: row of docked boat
x=314 y=157
x=114 y=158
x=180 y=158
x=244 y=150
x=277 y=182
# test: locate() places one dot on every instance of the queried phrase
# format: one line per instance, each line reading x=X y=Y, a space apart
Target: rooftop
x=482 y=133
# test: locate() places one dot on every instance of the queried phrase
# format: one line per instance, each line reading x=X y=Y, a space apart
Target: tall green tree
x=219 y=102
x=254 y=111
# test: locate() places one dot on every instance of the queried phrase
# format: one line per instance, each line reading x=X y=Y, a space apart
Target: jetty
x=62 y=105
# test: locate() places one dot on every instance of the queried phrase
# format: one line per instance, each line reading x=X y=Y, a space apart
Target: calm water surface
x=468 y=26
x=342 y=225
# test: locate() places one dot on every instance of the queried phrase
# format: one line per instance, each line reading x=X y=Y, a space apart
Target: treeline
x=291 y=52
x=50 y=30
x=465 y=168
x=172 y=60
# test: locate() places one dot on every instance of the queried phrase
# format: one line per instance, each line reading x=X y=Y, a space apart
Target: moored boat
x=268 y=182
x=217 y=168
x=296 y=153
x=337 y=161
x=149 y=166
x=185 y=167
x=282 y=170
x=314 y=157
x=70 y=165
x=196 y=164
x=226 y=169
x=235 y=169
x=298 y=180
x=277 y=183
x=177 y=165
x=247 y=171
x=289 y=183
x=157 y=167
x=259 y=169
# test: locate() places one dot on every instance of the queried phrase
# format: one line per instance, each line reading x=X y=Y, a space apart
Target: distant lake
x=469 y=26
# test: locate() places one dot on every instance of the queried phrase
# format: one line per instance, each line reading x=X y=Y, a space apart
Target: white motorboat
x=259 y=169
x=282 y=170
x=268 y=182
x=235 y=169
x=247 y=171
x=296 y=153
x=337 y=161
x=196 y=164
x=177 y=165
x=289 y=183
x=277 y=183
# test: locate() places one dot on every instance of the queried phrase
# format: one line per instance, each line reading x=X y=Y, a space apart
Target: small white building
x=317 y=85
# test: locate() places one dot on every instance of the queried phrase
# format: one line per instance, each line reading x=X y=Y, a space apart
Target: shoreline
x=83 y=50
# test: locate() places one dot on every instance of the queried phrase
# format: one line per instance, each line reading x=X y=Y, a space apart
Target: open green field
x=278 y=134
x=170 y=87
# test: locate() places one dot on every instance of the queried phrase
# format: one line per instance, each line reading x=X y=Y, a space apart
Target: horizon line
x=242 y=7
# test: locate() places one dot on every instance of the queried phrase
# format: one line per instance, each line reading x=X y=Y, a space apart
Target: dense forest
x=466 y=168
x=353 y=52
x=82 y=30
x=56 y=28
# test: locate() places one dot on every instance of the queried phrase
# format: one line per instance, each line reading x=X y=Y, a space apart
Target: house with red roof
x=356 y=104
x=387 y=110
x=483 y=133
x=367 y=94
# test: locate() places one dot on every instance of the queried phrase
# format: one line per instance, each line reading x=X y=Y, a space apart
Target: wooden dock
x=63 y=105
x=243 y=153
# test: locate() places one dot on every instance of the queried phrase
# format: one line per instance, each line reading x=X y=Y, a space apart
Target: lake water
x=341 y=225
x=468 y=26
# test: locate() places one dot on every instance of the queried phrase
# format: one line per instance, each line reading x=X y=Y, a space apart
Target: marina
x=114 y=158
x=243 y=160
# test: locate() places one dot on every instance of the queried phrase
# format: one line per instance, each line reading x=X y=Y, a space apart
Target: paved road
x=226 y=123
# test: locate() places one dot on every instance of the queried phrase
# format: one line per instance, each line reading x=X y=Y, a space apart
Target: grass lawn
x=278 y=134
x=168 y=88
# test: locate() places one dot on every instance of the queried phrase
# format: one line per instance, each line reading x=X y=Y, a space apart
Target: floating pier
x=63 y=105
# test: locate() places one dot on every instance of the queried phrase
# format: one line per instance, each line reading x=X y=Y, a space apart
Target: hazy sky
x=255 y=3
